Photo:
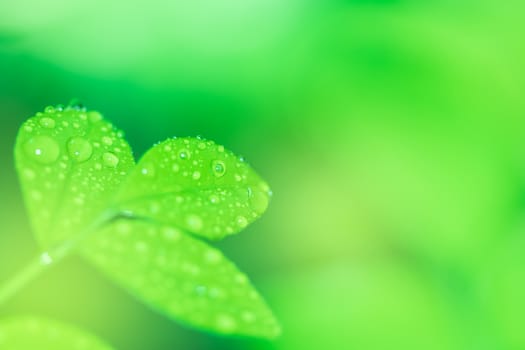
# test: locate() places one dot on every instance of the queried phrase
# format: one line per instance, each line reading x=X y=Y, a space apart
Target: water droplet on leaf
x=184 y=154
x=79 y=149
x=218 y=167
x=110 y=160
x=43 y=149
x=47 y=122
x=194 y=222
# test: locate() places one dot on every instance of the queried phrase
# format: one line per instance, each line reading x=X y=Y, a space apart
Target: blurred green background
x=392 y=133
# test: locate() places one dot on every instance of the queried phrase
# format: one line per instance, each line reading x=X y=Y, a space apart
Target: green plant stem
x=51 y=257
x=33 y=269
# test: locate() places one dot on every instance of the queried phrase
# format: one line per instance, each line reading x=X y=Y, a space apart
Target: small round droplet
x=110 y=160
x=49 y=109
x=218 y=167
x=226 y=323
x=94 y=116
x=148 y=170
x=212 y=256
x=184 y=154
x=196 y=175
x=214 y=199
x=43 y=149
x=29 y=174
x=172 y=234
x=48 y=123
x=46 y=259
x=79 y=149
x=194 y=222
x=248 y=317
x=108 y=141
x=241 y=221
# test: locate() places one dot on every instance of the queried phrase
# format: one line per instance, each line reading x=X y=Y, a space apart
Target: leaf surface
x=197 y=186
x=182 y=277
x=70 y=163
x=28 y=333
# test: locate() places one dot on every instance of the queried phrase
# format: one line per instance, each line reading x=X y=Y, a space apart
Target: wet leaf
x=197 y=186
x=70 y=163
x=27 y=332
x=77 y=170
x=182 y=277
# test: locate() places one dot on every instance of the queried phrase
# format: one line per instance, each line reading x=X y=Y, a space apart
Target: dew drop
x=46 y=259
x=148 y=170
x=48 y=123
x=79 y=149
x=214 y=199
x=36 y=195
x=258 y=201
x=110 y=160
x=108 y=141
x=171 y=234
x=220 y=149
x=218 y=167
x=212 y=256
x=29 y=174
x=196 y=175
x=201 y=145
x=226 y=323
x=141 y=247
x=94 y=116
x=248 y=316
x=241 y=221
x=43 y=149
x=49 y=109
x=194 y=222
x=184 y=154
x=175 y=167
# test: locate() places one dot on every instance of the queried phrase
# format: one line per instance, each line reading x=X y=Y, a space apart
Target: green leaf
x=70 y=163
x=27 y=333
x=182 y=277
x=77 y=170
x=197 y=186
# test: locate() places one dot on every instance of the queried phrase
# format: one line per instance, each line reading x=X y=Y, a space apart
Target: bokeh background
x=392 y=133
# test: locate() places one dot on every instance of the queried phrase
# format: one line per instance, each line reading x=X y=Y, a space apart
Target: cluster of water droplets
x=63 y=152
x=187 y=278
x=199 y=186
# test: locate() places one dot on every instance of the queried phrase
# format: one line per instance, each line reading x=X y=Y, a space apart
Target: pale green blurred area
x=392 y=133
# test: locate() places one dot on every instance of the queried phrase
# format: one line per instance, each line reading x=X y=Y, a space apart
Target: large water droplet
x=79 y=149
x=258 y=201
x=110 y=160
x=218 y=167
x=47 y=122
x=43 y=149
